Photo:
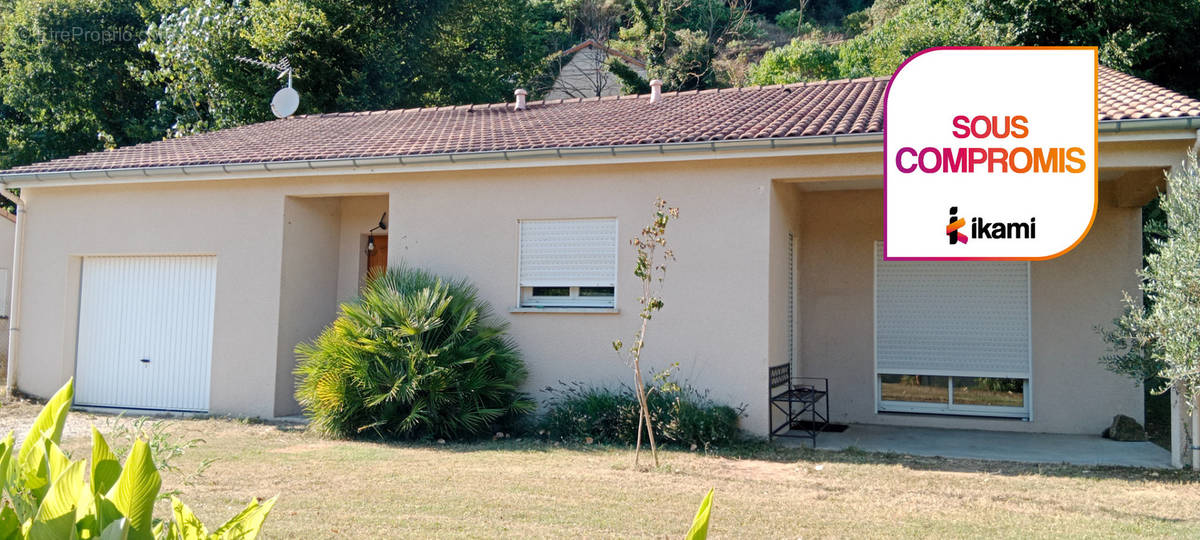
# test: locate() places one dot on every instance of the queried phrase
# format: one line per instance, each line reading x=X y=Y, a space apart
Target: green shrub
x=47 y=495
x=801 y=60
x=412 y=357
x=788 y=19
x=683 y=416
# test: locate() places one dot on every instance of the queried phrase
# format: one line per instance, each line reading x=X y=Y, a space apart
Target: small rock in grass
x=441 y=441
x=587 y=440
x=819 y=467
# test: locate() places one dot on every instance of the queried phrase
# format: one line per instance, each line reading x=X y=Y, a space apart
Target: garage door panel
x=145 y=332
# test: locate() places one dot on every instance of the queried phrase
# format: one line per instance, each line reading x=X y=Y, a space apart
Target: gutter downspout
x=14 y=316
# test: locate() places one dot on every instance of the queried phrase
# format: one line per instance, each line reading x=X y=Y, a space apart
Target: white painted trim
x=952 y=409
x=564 y=310
x=522 y=298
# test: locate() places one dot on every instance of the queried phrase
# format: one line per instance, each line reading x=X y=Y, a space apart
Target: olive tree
x=1160 y=339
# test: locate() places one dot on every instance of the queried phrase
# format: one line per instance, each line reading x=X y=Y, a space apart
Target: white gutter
x=1115 y=130
x=14 y=316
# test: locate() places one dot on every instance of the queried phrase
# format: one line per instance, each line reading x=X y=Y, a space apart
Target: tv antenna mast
x=286 y=100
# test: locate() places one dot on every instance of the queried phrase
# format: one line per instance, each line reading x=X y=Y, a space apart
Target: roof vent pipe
x=655 y=91
x=520 y=99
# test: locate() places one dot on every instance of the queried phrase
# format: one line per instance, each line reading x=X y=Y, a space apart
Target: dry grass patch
x=526 y=488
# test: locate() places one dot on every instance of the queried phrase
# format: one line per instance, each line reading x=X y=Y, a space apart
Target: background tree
x=347 y=55
x=891 y=37
x=681 y=40
x=1152 y=39
x=65 y=84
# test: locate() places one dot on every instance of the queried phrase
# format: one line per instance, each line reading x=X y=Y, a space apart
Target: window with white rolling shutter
x=570 y=263
x=952 y=336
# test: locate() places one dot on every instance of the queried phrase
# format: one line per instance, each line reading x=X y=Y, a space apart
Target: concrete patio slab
x=994 y=445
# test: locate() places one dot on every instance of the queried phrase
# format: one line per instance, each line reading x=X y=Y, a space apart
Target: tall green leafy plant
x=413 y=357
x=49 y=496
x=651 y=270
x=699 y=530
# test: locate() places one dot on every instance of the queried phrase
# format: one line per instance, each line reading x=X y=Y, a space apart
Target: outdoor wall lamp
x=371 y=233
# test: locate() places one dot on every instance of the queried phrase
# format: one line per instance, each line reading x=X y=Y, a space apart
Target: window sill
x=563 y=310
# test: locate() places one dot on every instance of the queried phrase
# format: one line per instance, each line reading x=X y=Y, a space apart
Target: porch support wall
x=308 y=284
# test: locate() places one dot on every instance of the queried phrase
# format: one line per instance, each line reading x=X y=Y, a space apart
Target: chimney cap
x=522 y=92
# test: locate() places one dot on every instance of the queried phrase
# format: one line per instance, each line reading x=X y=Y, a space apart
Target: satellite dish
x=285 y=102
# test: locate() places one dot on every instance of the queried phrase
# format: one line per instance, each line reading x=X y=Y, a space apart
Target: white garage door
x=145 y=332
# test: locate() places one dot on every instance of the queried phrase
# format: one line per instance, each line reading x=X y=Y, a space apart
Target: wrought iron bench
x=803 y=400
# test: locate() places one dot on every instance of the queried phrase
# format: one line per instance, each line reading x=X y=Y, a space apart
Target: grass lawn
x=526 y=488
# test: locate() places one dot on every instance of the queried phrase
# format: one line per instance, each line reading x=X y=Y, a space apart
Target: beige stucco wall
x=1070 y=295
x=289 y=249
x=308 y=284
x=462 y=224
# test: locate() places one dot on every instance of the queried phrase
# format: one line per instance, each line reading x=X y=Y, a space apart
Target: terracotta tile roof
x=1126 y=97
x=798 y=110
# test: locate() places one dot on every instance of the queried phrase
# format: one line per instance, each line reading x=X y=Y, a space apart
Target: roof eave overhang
x=1110 y=131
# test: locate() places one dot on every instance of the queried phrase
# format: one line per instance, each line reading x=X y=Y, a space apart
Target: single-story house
x=583 y=71
x=180 y=274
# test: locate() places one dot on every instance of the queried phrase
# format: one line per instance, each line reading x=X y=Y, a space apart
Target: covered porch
x=969 y=360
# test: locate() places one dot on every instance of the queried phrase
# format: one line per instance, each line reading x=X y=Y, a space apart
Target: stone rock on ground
x=1124 y=428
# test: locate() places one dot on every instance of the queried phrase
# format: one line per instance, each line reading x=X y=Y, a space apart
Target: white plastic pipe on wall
x=14 y=318
x=1195 y=431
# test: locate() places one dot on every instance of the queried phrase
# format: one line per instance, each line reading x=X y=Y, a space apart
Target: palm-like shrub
x=413 y=357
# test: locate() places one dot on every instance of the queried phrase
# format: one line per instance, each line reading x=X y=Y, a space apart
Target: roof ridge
x=493 y=105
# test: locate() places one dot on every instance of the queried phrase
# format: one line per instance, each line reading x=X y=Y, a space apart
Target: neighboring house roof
x=593 y=43
x=772 y=112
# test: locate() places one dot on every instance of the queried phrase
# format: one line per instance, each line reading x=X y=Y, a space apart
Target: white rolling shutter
x=568 y=253
x=968 y=318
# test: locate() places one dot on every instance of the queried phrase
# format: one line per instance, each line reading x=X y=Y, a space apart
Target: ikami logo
x=956 y=223
x=1015 y=230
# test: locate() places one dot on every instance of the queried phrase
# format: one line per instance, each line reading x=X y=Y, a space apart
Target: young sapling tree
x=651 y=269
